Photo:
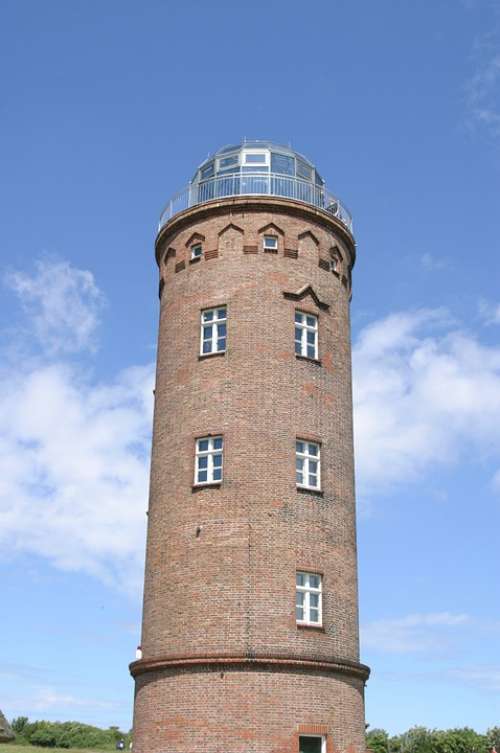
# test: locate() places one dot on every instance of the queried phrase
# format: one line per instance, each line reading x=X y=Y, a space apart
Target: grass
x=13 y=748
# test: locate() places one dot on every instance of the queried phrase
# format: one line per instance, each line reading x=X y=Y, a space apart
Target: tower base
x=236 y=706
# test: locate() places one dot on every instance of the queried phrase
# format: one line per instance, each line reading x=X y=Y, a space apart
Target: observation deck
x=257 y=168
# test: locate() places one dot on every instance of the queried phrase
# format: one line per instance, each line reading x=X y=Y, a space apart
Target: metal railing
x=256 y=184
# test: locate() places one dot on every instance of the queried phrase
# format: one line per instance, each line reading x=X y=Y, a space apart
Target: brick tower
x=250 y=624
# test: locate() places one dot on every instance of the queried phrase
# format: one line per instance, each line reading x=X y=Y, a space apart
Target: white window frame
x=307 y=590
x=207 y=322
x=306 y=458
x=235 y=166
x=303 y=324
x=322 y=738
x=209 y=453
x=256 y=165
x=273 y=245
x=196 y=251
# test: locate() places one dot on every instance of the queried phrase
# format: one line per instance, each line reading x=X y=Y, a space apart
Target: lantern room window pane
x=304 y=170
x=255 y=158
x=226 y=162
x=281 y=163
x=207 y=171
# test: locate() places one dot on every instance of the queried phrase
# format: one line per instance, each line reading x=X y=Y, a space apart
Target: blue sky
x=106 y=109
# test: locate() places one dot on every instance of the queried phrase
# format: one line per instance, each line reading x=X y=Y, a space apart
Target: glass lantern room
x=257 y=168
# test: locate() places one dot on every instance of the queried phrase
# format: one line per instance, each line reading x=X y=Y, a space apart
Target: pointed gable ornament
x=270 y=227
x=305 y=291
x=195 y=237
x=231 y=226
x=308 y=234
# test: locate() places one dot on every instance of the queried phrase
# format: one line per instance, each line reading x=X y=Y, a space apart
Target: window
x=281 y=163
x=207 y=171
x=306 y=335
x=226 y=162
x=256 y=158
x=303 y=170
x=208 y=469
x=270 y=243
x=213 y=331
x=196 y=251
x=308 y=599
x=256 y=161
x=318 y=179
x=307 y=464
x=312 y=744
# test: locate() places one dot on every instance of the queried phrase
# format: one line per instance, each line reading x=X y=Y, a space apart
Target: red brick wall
x=237 y=711
x=221 y=562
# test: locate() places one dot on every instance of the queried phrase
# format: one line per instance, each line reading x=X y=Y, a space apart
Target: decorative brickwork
x=272 y=229
x=195 y=238
x=225 y=666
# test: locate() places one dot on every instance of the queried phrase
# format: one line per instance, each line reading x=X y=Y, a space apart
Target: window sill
x=207 y=485
x=197 y=258
x=306 y=358
x=202 y=356
x=310 y=626
x=308 y=490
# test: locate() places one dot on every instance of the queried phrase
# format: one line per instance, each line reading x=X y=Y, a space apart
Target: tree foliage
x=377 y=740
x=66 y=734
x=423 y=740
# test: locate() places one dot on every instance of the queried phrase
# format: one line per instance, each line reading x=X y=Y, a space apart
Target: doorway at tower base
x=203 y=709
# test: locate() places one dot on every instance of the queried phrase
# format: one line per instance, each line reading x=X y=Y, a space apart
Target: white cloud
x=46 y=699
x=74 y=469
x=62 y=305
x=482 y=90
x=432 y=263
x=412 y=633
x=53 y=703
x=424 y=392
x=74 y=453
x=483 y=677
x=489 y=312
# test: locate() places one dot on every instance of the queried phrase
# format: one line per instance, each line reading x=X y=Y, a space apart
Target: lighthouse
x=250 y=639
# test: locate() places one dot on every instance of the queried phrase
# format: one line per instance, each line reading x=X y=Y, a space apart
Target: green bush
x=66 y=734
x=422 y=740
